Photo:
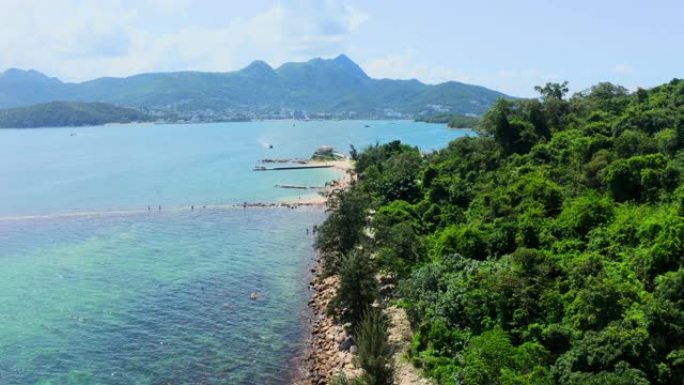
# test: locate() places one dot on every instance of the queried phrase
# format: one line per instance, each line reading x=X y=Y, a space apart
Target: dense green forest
x=547 y=250
x=62 y=114
x=453 y=121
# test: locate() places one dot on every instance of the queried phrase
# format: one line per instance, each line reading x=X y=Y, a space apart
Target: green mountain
x=59 y=114
x=320 y=86
x=19 y=88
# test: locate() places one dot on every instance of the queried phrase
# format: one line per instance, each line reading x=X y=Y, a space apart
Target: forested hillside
x=548 y=250
x=60 y=114
x=453 y=121
x=319 y=86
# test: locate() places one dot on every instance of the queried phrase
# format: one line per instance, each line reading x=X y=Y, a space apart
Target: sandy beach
x=321 y=197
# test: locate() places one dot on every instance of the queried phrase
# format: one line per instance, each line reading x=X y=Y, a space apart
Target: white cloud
x=33 y=33
x=83 y=39
x=623 y=69
x=408 y=66
x=519 y=82
x=80 y=39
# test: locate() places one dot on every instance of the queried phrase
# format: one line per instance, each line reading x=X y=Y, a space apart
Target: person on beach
x=159 y=208
x=192 y=208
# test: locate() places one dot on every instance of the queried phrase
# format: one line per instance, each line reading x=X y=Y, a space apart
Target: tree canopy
x=547 y=250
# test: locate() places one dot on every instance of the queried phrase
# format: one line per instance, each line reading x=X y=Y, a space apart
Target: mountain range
x=317 y=88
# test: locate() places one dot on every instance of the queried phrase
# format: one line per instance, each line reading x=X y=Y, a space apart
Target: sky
x=506 y=45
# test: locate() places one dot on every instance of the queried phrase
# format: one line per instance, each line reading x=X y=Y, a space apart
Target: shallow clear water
x=154 y=298
x=160 y=297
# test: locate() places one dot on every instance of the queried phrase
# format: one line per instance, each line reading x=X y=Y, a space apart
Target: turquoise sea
x=94 y=289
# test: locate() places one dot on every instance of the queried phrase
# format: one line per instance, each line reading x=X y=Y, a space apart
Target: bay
x=96 y=290
x=129 y=167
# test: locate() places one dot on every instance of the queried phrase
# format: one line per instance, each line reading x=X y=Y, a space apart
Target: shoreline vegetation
x=547 y=250
x=338 y=351
x=451 y=120
x=69 y=114
x=103 y=115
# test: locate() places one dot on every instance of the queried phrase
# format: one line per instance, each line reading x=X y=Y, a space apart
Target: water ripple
x=154 y=299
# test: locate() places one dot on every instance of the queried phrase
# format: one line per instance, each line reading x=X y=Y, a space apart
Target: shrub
x=465 y=240
x=357 y=287
x=375 y=356
x=343 y=228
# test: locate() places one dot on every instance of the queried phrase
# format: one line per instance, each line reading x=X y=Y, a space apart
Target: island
x=453 y=121
x=68 y=114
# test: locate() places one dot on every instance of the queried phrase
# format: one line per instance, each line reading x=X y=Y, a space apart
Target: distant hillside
x=319 y=88
x=58 y=114
x=453 y=121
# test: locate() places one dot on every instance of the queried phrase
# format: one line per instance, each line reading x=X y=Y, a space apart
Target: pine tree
x=374 y=354
x=357 y=287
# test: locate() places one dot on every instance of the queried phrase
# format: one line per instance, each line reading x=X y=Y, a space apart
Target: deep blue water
x=139 y=297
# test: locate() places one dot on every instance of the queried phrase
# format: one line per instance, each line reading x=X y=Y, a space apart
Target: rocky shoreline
x=330 y=348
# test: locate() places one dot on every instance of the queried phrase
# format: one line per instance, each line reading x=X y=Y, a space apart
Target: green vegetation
x=453 y=121
x=375 y=356
x=547 y=250
x=61 y=114
x=357 y=289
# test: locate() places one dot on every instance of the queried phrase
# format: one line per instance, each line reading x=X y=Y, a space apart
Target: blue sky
x=505 y=45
